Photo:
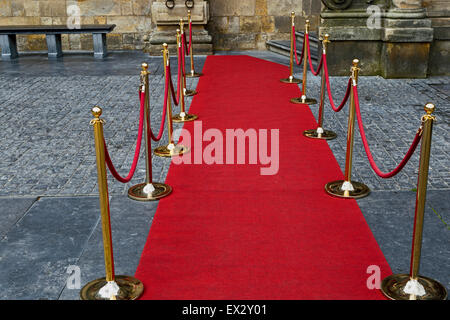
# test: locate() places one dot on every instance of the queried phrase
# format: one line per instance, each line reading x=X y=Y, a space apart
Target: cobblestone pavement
x=47 y=144
x=46 y=140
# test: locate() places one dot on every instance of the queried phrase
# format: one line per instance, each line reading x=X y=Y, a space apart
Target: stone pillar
x=406 y=39
x=167 y=22
x=393 y=40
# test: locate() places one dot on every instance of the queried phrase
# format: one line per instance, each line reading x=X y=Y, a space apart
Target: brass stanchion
x=149 y=190
x=304 y=99
x=192 y=74
x=320 y=133
x=187 y=93
x=182 y=116
x=291 y=78
x=347 y=188
x=412 y=286
x=171 y=149
x=111 y=287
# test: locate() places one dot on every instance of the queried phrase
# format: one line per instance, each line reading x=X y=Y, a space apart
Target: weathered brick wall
x=248 y=24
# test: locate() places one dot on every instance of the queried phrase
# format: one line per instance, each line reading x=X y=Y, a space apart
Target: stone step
x=283 y=47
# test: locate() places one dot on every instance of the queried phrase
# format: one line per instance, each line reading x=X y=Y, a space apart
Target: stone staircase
x=283 y=47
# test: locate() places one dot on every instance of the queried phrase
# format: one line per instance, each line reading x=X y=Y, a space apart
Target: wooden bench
x=53 y=34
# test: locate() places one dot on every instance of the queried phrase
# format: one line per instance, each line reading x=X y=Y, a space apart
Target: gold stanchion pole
x=171 y=149
x=187 y=93
x=291 y=78
x=304 y=99
x=320 y=133
x=412 y=286
x=111 y=287
x=149 y=190
x=192 y=74
x=182 y=116
x=347 y=188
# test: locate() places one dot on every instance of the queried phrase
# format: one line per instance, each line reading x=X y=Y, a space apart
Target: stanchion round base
x=394 y=285
x=137 y=192
x=130 y=289
x=193 y=75
x=308 y=101
x=292 y=81
x=190 y=93
x=186 y=118
x=335 y=189
x=163 y=151
x=326 y=135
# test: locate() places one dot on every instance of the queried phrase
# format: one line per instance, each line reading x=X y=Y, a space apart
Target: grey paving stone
x=36 y=252
x=11 y=211
x=390 y=216
x=130 y=223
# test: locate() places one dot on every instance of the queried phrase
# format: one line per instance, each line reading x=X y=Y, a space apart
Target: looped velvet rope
x=374 y=166
x=319 y=67
x=108 y=160
x=176 y=97
x=330 y=97
x=295 y=47
x=109 y=163
x=187 y=49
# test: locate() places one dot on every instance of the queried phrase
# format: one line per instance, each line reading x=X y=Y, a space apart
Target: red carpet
x=228 y=232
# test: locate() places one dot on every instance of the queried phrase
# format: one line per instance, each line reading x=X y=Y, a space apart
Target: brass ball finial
x=326 y=36
x=292 y=14
x=429 y=108
x=144 y=66
x=96 y=111
x=307 y=22
x=165 y=45
x=355 y=62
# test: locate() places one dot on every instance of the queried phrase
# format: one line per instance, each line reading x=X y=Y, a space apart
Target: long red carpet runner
x=228 y=232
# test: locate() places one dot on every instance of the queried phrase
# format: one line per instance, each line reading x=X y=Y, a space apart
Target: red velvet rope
x=374 y=166
x=108 y=161
x=310 y=61
x=188 y=48
x=163 y=120
x=295 y=47
x=327 y=78
x=176 y=98
x=183 y=49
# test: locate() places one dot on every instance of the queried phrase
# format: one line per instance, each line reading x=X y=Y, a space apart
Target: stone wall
x=248 y=24
x=234 y=24
x=132 y=17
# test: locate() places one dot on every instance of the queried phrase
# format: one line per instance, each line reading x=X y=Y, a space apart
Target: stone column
x=392 y=41
x=167 y=22
x=406 y=39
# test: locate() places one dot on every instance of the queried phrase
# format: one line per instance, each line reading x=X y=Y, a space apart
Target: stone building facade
x=420 y=27
x=233 y=24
